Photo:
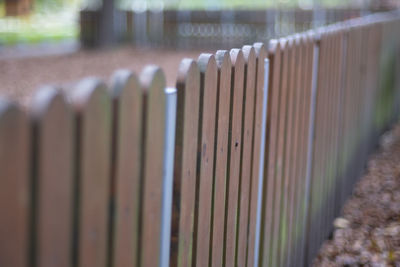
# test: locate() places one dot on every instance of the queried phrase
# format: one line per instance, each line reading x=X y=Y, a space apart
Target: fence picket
x=288 y=151
x=15 y=191
x=235 y=140
x=53 y=177
x=275 y=58
x=127 y=135
x=188 y=90
x=208 y=105
x=279 y=164
x=152 y=82
x=221 y=156
x=298 y=176
x=294 y=175
x=307 y=122
x=261 y=54
x=246 y=160
x=92 y=107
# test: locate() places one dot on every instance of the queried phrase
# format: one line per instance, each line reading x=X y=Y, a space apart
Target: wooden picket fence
x=245 y=163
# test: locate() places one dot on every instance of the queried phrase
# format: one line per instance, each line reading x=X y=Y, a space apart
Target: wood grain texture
x=221 y=156
x=310 y=216
x=261 y=54
x=14 y=185
x=92 y=107
x=235 y=140
x=319 y=146
x=341 y=75
x=288 y=151
x=279 y=164
x=275 y=58
x=54 y=150
x=208 y=104
x=321 y=112
x=293 y=174
x=126 y=166
x=247 y=143
x=299 y=173
x=187 y=123
x=304 y=124
x=310 y=50
x=152 y=81
x=321 y=208
x=333 y=164
x=345 y=118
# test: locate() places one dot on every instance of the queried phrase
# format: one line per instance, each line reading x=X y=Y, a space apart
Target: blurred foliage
x=49 y=20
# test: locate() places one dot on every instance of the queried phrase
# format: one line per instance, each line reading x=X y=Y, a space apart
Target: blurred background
x=173 y=23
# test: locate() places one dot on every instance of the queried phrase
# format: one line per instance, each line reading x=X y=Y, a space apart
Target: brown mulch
x=21 y=77
x=368 y=233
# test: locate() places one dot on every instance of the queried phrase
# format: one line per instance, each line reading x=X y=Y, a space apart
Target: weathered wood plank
x=279 y=164
x=53 y=177
x=15 y=191
x=152 y=82
x=127 y=135
x=247 y=142
x=310 y=82
x=235 y=140
x=261 y=54
x=188 y=86
x=294 y=174
x=301 y=165
x=288 y=152
x=306 y=73
x=275 y=58
x=208 y=104
x=92 y=108
x=221 y=156
x=320 y=146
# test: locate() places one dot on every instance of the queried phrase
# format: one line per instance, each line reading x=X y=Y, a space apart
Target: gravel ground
x=368 y=233
x=21 y=77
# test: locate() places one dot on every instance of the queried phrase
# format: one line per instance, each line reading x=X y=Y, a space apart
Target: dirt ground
x=368 y=233
x=21 y=76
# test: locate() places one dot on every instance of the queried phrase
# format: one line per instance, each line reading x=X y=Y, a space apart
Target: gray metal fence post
x=166 y=210
x=261 y=165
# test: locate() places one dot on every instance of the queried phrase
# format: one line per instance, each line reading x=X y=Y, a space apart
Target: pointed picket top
x=207 y=64
x=279 y=215
x=85 y=91
x=92 y=106
x=297 y=174
x=273 y=46
x=152 y=82
x=257 y=166
x=53 y=176
x=209 y=78
x=291 y=143
x=152 y=77
x=15 y=184
x=221 y=155
x=235 y=148
x=283 y=41
x=275 y=57
x=187 y=123
x=126 y=166
x=247 y=139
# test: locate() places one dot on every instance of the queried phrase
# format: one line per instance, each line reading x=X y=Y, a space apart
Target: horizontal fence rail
x=245 y=163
